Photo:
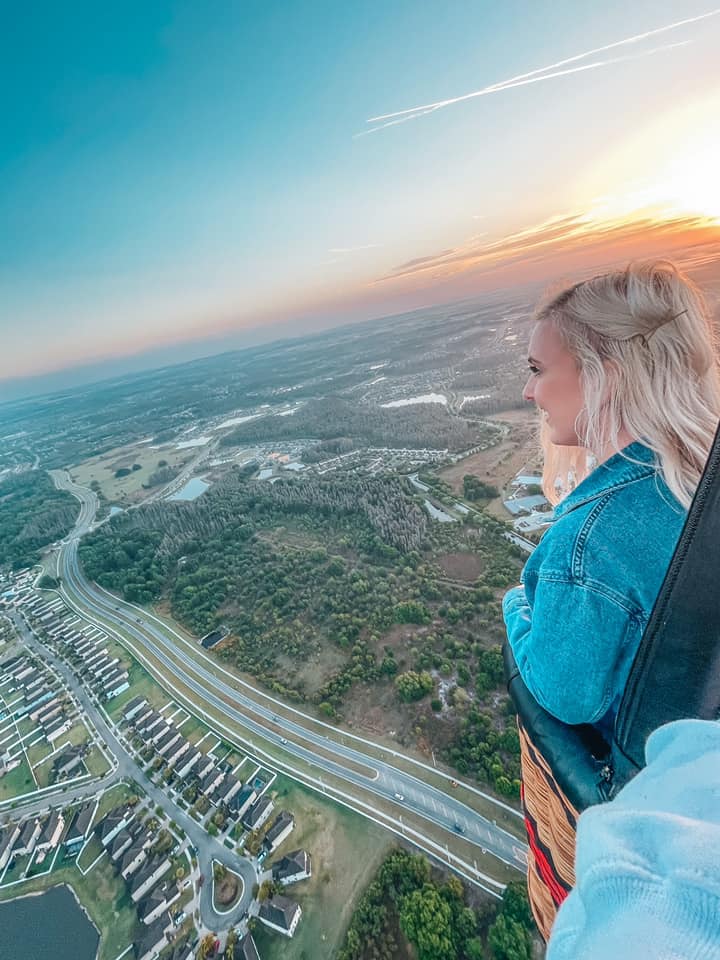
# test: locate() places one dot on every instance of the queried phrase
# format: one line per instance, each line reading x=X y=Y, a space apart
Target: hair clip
x=644 y=337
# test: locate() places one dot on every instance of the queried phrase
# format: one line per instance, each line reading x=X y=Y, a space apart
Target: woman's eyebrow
x=533 y=361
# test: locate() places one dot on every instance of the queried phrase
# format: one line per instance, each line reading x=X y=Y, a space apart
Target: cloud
x=548 y=72
x=364 y=246
x=566 y=238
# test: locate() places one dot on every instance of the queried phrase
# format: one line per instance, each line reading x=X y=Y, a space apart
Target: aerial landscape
x=267 y=470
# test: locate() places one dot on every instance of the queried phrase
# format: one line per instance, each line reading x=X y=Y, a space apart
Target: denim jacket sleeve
x=567 y=645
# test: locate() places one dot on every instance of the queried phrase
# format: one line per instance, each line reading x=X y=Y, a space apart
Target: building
x=245 y=949
x=157 y=732
x=165 y=742
x=119 y=844
x=292 y=868
x=57 y=728
x=133 y=708
x=134 y=856
x=177 y=750
x=29 y=835
x=211 y=781
x=258 y=813
x=112 y=823
x=79 y=826
x=147 y=876
x=154 y=940
x=279 y=831
x=188 y=762
x=204 y=766
x=280 y=914
x=7 y=842
x=68 y=760
x=157 y=901
x=228 y=789
x=242 y=801
x=52 y=831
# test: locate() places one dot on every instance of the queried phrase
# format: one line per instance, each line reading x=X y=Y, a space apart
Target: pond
x=192 y=489
x=49 y=925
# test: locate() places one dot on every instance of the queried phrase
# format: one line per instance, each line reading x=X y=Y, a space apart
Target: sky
x=177 y=175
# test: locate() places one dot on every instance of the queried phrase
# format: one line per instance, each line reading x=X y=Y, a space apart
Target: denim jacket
x=588 y=589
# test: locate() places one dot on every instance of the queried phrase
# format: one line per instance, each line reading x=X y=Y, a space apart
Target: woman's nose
x=528 y=392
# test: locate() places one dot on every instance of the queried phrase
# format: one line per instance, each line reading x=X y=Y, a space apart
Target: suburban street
x=208 y=848
x=299 y=739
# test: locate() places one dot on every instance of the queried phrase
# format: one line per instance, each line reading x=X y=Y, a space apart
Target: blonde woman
x=624 y=370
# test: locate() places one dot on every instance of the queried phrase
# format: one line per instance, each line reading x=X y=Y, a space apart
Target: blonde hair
x=648 y=360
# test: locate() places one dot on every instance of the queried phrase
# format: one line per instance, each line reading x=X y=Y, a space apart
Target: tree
x=509 y=940
x=516 y=906
x=425 y=919
x=413 y=686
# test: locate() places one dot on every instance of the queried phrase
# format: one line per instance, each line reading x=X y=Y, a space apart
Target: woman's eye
x=534 y=370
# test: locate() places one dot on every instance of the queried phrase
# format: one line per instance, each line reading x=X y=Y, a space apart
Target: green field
x=17 y=782
x=346 y=850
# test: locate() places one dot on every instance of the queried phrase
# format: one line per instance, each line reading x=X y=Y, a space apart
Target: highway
x=385 y=781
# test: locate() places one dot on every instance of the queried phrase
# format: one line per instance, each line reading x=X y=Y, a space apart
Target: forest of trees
x=33 y=514
x=299 y=568
x=417 y=426
x=408 y=902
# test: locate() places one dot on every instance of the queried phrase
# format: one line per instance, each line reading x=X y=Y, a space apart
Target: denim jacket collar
x=615 y=472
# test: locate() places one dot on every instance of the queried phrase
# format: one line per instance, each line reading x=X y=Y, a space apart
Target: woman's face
x=554 y=384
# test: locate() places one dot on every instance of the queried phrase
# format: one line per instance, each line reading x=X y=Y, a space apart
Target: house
x=242 y=801
x=165 y=742
x=52 y=832
x=147 y=876
x=47 y=710
x=119 y=844
x=68 y=760
x=245 y=949
x=7 y=842
x=28 y=838
x=142 y=716
x=278 y=832
x=204 y=766
x=157 y=733
x=228 y=789
x=57 y=728
x=280 y=914
x=133 y=708
x=105 y=669
x=211 y=781
x=134 y=856
x=188 y=762
x=79 y=826
x=177 y=750
x=112 y=823
x=292 y=868
x=258 y=813
x=115 y=676
x=115 y=688
x=158 y=900
x=154 y=940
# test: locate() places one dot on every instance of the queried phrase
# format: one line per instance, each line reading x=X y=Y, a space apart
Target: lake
x=192 y=489
x=50 y=925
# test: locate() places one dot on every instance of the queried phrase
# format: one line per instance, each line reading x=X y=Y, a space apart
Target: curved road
x=387 y=782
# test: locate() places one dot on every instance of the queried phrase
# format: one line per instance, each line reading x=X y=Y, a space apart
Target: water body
x=439 y=514
x=50 y=925
x=192 y=489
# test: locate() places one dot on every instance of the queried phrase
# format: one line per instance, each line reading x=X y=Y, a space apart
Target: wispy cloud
x=560 y=239
x=364 y=246
x=548 y=72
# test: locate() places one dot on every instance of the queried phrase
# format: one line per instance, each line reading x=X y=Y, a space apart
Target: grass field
x=346 y=850
x=129 y=489
x=17 y=782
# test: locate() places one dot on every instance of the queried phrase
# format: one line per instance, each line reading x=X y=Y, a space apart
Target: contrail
x=402 y=116
x=520 y=78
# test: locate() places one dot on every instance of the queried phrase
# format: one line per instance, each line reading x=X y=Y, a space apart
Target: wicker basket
x=551 y=824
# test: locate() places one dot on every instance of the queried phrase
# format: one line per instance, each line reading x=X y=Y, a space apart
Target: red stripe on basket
x=545 y=868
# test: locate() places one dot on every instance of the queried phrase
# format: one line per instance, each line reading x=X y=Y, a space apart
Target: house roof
x=50 y=826
x=80 y=822
x=256 y=811
x=245 y=949
x=296 y=862
x=280 y=911
x=283 y=821
x=154 y=936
